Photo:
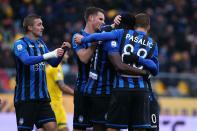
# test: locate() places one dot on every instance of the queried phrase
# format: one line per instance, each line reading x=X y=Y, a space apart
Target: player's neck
x=31 y=36
x=89 y=29
x=141 y=29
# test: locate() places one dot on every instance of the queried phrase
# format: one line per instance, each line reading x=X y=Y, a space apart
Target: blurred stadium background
x=173 y=26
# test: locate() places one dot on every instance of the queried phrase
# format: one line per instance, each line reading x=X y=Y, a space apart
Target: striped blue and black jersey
x=101 y=74
x=83 y=69
x=129 y=41
x=30 y=78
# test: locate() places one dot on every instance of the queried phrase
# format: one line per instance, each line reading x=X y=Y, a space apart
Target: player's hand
x=54 y=54
x=117 y=20
x=78 y=38
x=60 y=52
x=66 y=46
x=128 y=58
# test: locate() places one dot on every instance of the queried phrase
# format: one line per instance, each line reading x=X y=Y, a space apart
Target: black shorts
x=98 y=109
x=129 y=108
x=30 y=113
x=154 y=113
x=81 y=108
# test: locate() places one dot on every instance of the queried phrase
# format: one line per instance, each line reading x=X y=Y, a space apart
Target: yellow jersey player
x=56 y=87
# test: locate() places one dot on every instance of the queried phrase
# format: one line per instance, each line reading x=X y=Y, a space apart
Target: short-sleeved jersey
x=83 y=69
x=54 y=75
x=30 y=79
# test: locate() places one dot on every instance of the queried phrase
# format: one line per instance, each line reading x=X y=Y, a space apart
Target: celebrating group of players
x=113 y=89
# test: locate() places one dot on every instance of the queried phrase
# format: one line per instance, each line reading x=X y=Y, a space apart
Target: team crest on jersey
x=19 y=47
x=80 y=119
x=114 y=44
x=21 y=121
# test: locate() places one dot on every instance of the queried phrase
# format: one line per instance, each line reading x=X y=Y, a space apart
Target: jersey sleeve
x=19 y=48
x=111 y=46
x=104 y=36
x=20 y=51
x=155 y=57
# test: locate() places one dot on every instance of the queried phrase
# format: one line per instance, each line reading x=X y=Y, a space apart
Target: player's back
x=138 y=43
x=53 y=75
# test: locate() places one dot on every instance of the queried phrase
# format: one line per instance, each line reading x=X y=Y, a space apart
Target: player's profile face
x=99 y=20
x=37 y=27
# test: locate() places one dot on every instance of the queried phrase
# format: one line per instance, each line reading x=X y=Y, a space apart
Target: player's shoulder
x=19 y=41
x=19 y=44
x=152 y=40
x=59 y=67
x=118 y=30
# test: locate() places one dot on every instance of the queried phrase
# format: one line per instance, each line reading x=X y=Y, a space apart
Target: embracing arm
x=121 y=67
x=149 y=64
x=96 y=37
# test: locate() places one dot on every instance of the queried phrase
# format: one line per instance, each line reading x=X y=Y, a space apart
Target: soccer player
x=132 y=110
x=94 y=18
x=31 y=98
x=56 y=87
x=99 y=85
x=154 y=105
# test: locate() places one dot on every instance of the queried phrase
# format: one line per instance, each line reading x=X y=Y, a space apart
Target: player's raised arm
x=108 y=28
x=96 y=37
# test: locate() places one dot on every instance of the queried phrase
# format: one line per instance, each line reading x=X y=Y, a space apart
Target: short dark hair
x=142 y=20
x=92 y=11
x=127 y=21
x=29 y=20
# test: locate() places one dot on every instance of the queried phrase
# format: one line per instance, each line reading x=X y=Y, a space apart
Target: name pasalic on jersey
x=139 y=40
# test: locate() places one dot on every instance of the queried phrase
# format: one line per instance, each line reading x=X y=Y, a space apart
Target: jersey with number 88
x=130 y=49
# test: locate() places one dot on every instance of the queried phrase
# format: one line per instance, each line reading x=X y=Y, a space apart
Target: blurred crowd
x=173 y=26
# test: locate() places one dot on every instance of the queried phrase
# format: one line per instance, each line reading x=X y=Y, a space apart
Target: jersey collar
x=28 y=39
x=141 y=32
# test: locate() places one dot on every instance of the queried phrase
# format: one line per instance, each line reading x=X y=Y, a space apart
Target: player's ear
x=29 y=28
x=91 y=18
